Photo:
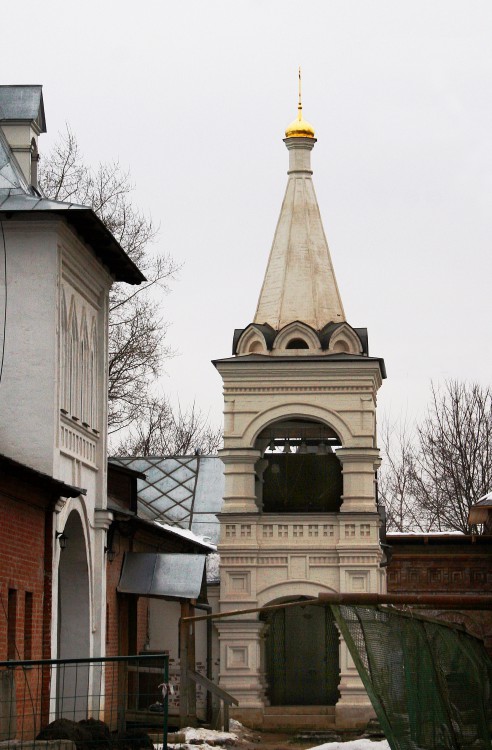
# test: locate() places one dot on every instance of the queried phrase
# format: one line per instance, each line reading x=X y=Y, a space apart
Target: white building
x=58 y=262
x=299 y=515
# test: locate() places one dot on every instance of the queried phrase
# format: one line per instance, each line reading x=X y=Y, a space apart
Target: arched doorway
x=302 y=656
x=73 y=622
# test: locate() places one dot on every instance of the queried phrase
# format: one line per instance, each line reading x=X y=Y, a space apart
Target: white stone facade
x=53 y=411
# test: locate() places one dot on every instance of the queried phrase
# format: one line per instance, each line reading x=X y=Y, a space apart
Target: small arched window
x=255 y=347
x=341 y=346
x=297 y=344
x=92 y=378
x=64 y=360
x=73 y=363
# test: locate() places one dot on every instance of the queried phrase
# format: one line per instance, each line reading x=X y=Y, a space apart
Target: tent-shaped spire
x=299 y=282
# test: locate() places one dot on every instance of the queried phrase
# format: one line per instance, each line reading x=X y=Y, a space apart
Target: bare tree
x=453 y=466
x=136 y=331
x=432 y=482
x=164 y=431
x=395 y=479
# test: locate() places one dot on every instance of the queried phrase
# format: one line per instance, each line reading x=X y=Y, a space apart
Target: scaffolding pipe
x=434 y=601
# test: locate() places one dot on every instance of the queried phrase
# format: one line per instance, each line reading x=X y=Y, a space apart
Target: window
x=73 y=359
x=11 y=623
x=28 y=625
x=297 y=344
x=78 y=366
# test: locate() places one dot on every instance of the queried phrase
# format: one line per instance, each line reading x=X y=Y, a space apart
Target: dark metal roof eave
x=162 y=533
x=121 y=469
x=57 y=485
x=86 y=222
x=267 y=358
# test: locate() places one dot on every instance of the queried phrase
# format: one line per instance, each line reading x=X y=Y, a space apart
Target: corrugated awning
x=158 y=574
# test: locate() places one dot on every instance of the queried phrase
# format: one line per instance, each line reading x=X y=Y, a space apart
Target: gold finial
x=299 y=128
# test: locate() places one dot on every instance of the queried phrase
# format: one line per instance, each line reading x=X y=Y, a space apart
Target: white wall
x=28 y=388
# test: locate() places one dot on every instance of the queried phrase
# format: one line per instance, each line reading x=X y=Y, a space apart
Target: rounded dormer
x=298 y=339
x=254 y=339
x=344 y=340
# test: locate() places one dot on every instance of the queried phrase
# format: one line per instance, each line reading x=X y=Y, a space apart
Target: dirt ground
x=275 y=741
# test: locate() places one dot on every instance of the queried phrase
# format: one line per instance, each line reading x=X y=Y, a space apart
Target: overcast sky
x=194 y=98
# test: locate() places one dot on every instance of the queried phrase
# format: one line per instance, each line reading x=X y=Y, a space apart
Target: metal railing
x=101 y=703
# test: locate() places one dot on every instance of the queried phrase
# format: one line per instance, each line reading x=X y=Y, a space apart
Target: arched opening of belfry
x=301 y=656
x=73 y=621
x=299 y=471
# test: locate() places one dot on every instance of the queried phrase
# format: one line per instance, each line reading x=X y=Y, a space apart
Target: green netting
x=430 y=684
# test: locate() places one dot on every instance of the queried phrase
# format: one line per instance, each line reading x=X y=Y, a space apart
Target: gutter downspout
x=207 y=608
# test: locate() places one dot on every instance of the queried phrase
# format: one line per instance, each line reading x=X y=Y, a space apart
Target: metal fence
x=114 y=702
x=430 y=683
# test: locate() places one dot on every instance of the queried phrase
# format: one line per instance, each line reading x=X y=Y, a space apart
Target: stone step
x=291 y=722
x=300 y=710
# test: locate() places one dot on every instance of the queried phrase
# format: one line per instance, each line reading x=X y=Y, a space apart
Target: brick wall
x=121 y=638
x=25 y=593
x=444 y=564
x=22 y=550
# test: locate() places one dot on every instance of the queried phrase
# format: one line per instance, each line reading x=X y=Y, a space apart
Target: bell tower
x=300 y=514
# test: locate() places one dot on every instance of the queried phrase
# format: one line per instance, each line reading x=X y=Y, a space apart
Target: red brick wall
x=445 y=565
x=118 y=638
x=22 y=548
x=25 y=529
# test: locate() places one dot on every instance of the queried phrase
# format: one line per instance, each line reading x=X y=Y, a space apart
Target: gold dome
x=300 y=128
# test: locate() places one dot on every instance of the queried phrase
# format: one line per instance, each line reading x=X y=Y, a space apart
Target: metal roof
x=81 y=218
x=24 y=102
x=19 y=199
x=178 y=576
x=183 y=491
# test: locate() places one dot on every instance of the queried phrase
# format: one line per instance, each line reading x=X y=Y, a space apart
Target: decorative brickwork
x=444 y=564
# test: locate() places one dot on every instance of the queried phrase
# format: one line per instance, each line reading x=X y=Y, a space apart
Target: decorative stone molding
x=76 y=444
x=102 y=518
x=60 y=504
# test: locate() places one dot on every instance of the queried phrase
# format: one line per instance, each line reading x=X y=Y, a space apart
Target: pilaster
x=241 y=664
x=354 y=709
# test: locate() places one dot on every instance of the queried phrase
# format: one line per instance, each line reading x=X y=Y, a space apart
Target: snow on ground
x=208 y=739
x=191 y=738
x=353 y=745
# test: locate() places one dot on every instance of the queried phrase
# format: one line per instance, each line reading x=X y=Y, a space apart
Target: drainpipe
x=207 y=608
